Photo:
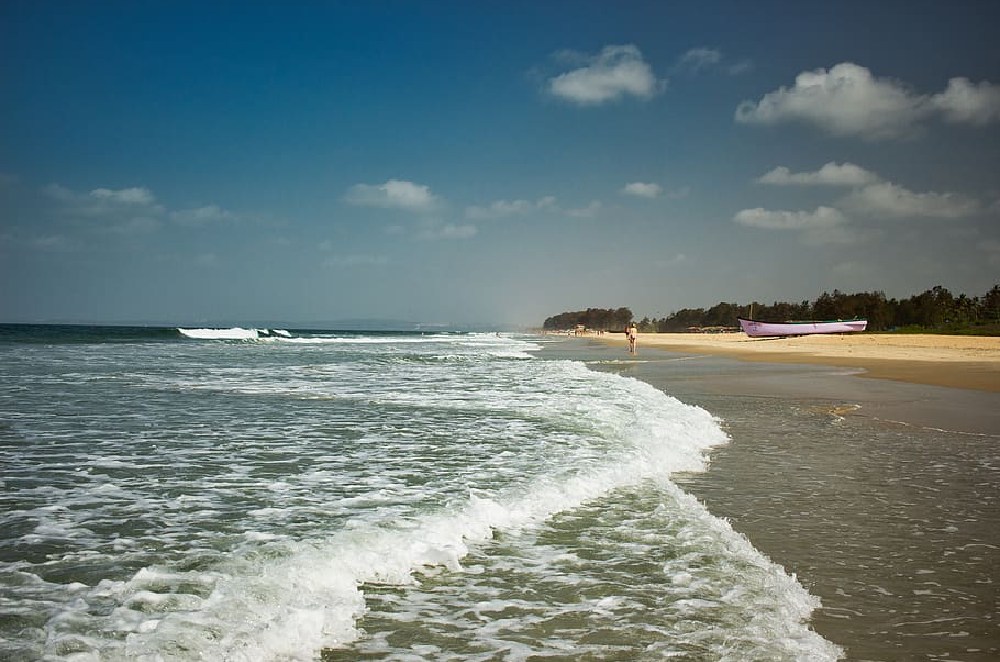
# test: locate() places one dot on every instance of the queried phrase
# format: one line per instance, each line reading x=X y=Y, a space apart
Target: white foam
x=283 y=558
x=235 y=333
x=313 y=596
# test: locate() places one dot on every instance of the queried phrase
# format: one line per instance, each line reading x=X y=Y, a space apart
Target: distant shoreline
x=971 y=362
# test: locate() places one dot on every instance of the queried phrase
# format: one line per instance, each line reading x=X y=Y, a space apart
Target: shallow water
x=883 y=498
x=343 y=496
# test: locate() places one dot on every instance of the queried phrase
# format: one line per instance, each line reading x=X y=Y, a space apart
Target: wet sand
x=941 y=360
x=880 y=495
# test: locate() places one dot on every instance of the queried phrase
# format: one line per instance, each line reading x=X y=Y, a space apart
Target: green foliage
x=936 y=310
x=598 y=319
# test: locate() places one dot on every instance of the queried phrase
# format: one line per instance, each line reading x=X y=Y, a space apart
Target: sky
x=480 y=163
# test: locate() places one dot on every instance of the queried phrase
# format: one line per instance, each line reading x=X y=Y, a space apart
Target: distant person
x=632 y=332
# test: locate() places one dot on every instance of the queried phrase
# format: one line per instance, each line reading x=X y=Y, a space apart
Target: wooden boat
x=759 y=329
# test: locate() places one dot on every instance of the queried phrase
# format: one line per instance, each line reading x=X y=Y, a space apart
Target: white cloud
x=822 y=217
x=894 y=201
x=434 y=231
x=963 y=101
x=201 y=215
x=615 y=72
x=831 y=174
x=394 y=194
x=703 y=59
x=128 y=196
x=501 y=209
x=549 y=202
x=697 y=59
x=740 y=67
x=104 y=201
x=848 y=100
x=590 y=211
x=521 y=207
x=127 y=211
x=642 y=190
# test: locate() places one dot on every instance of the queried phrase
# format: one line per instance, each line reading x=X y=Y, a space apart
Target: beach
x=864 y=465
x=233 y=494
x=229 y=493
x=971 y=362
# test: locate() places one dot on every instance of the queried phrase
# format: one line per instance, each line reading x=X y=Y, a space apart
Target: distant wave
x=234 y=333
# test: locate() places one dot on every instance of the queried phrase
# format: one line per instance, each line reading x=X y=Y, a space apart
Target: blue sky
x=490 y=162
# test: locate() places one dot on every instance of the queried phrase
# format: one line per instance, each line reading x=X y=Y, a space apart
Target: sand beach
x=971 y=362
x=864 y=464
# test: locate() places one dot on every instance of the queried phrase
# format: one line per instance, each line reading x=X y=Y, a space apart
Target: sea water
x=240 y=494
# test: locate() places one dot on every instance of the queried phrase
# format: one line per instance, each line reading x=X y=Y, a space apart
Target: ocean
x=240 y=494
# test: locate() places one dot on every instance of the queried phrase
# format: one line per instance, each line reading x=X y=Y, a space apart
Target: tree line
x=935 y=310
x=595 y=319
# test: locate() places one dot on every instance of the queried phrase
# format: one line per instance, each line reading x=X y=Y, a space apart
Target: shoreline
x=968 y=362
x=873 y=493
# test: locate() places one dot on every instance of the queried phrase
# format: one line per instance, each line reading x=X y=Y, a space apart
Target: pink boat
x=772 y=329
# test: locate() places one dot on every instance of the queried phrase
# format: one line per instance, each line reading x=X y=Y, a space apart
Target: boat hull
x=757 y=329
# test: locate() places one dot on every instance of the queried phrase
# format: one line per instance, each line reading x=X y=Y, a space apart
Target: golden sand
x=958 y=361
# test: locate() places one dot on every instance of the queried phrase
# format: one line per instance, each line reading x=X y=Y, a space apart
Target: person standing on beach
x=631 y=333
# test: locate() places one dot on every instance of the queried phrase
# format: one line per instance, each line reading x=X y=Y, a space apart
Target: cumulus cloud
x=821 y=217
x=615 y=72
x=848 y=100
x=394 y=194
x=127 y=211
x=963 y=101
x=856 y=216
x=831 y=174
x=642 y=190
x=893 y=201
